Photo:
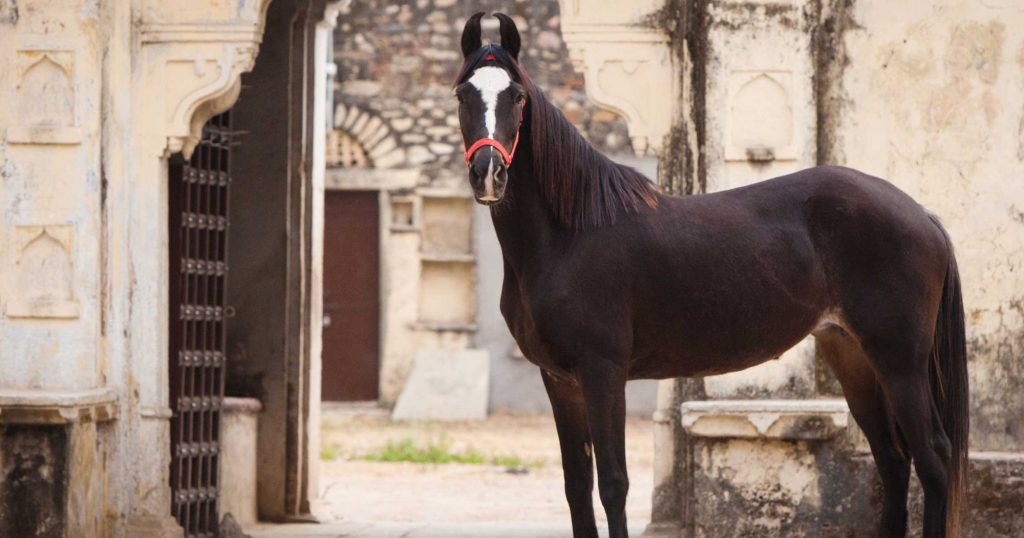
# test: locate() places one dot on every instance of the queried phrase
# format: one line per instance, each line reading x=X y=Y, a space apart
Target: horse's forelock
x=502 y=59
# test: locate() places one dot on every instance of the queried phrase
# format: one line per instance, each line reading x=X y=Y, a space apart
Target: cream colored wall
x=925 y=94
x=428 y=303
x=760 y=101
x=95 y=95
x=934 y=102
x=50 y=84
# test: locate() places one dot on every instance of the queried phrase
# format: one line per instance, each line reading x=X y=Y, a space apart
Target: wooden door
x=351 y=354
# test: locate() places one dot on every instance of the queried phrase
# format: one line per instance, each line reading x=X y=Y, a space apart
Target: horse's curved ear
x=471 y=35
x=509 y=35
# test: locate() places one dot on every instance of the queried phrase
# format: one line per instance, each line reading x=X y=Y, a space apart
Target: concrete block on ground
x=446 y=385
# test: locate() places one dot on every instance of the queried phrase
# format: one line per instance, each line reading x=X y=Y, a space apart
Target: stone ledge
x=240 y=405
x=770 y=419
x=57 y=406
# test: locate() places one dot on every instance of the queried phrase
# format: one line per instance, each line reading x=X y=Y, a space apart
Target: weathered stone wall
x=95 y=95
x=398 y=60
x=930 y=97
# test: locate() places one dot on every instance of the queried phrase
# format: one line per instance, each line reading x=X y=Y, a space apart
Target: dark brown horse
x=606 y=280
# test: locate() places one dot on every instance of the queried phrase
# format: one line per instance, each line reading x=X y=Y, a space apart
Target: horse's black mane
x=583 y=188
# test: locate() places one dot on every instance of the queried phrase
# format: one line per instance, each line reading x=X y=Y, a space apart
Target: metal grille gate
x=198 y=225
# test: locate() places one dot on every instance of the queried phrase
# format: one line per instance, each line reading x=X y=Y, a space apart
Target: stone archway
x=373 y=134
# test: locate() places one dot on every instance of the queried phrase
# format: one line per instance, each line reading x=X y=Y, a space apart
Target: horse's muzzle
x=488 y=176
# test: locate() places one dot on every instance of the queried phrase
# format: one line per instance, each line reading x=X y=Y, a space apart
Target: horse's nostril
x=480 y=167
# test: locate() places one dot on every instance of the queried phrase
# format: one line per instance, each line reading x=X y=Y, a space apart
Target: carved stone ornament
x=626 y=63
x=194 y=53
x=44 y=273
x=45 y=98
x=761 y=125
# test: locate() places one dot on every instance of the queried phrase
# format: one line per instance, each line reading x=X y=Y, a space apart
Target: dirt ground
x=389 y=494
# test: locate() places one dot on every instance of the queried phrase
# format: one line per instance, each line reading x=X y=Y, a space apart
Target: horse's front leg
x=604 y=390
x=577 y=462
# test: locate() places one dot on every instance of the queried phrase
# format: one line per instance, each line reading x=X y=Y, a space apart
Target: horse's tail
x=949 y=384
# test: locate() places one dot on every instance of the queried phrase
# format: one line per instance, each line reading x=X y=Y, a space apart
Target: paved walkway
x=370 y=499
x=515 y=529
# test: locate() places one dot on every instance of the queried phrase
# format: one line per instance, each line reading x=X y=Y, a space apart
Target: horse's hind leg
x=910 y=395
x=899 y=348
x=868 y=407
x=577 y=461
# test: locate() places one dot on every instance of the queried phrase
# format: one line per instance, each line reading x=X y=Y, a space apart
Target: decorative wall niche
x=45 y=97
x=760 y=117
x=405 y=213
x=447 y=298
x=448 y=278
x=44 y=273
x=447 y=230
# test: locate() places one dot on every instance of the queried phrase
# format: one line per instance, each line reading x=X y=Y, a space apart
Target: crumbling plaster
x=933 y=102
x=97 y=94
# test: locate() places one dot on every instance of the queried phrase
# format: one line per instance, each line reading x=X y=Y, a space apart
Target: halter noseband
x=506 y=155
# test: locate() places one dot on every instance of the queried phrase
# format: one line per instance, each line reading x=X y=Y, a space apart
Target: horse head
x=492 y=99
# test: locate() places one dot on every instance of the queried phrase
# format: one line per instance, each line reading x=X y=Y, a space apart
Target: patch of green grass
x=439 y=452
x=432 y=452
x=515 y=462
x=328 y=453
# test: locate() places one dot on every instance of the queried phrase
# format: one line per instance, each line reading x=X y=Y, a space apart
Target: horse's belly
x=699 y=361
x=722 y=342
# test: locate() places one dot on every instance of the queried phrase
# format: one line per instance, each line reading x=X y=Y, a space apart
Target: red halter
x=506 y=155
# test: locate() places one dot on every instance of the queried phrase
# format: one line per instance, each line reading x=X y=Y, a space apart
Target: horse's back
x=767 y=263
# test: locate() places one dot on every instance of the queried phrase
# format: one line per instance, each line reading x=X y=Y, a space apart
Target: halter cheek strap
x=506 y=155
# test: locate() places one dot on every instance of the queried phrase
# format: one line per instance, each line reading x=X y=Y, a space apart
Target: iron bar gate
x=198 y=225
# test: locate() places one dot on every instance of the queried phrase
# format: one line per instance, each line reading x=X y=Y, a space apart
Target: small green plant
x=432 y=452
x=515 y=462
x=328 y=453
x=439 y=451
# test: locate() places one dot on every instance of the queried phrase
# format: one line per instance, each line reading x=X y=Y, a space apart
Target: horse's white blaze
x=489 y=180
x=490 y=81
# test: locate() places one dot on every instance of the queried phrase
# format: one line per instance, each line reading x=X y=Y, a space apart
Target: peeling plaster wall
x=932 y=99
x=50 y=195
x=760 y=122
x=928 y=95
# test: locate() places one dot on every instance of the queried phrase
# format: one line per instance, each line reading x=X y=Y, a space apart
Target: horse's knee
x=613 y=491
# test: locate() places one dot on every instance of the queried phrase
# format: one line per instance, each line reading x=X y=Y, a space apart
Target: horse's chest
x=521 y=324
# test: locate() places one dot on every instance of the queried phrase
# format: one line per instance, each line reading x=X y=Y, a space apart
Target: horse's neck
x=523 y=223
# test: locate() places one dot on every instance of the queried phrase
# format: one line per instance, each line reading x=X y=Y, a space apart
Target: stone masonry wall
x=397 y=61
